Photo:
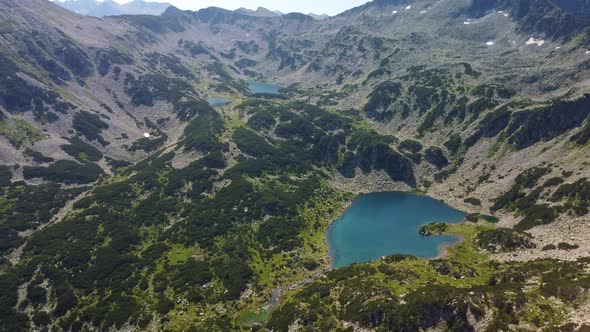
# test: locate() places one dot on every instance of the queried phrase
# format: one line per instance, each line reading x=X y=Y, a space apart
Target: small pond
x=263 y=87
x=218 y=102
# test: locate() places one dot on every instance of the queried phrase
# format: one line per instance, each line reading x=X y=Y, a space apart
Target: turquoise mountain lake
x=262 y=87
x=385 y=224
x=217 y=102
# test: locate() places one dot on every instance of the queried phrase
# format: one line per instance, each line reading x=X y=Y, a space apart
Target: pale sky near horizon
x=330 y=7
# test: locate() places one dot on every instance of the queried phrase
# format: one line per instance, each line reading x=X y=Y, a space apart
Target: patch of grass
x=20 y=132
x=476 y=217
x=179 y=253
x=252 y=318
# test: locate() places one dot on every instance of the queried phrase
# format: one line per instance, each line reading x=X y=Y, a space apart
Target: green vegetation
x=249 y=318
x=222 y=242
x=20 y=132
x=549 y=121
x=517 y=200
x=249 y=47
x=436 y=157
x=74 y=58
x=526 y=192
x=576 y=196
x=567 y=246
x=473 y=201
x=10 y=319
x=382 y=96
x=27 y=207
x=171 y=247
x=504 y=240
x=65 y=171
x=203 y=247
x=185 y=111
x=583 y=136
x=209 y=257
x=90 y=126
x=150 y=144
x=218 y=69
x=149 y=88
x=37 y=156
x=116 y=164
x=433 y=229
x=404 y=293
x=372 y=152
x=5 y=176
x=262 y=120
x=470 y=71
x=204 y=130
x=490 y=219
x=81 y=150
x=410 y=145
x=106 y=58
x=171 y=62
x=17 y=95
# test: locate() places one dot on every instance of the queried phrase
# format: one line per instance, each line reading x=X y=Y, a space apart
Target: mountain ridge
x=112 y=8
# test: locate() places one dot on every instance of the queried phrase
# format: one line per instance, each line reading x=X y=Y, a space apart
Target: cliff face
x=577 y=8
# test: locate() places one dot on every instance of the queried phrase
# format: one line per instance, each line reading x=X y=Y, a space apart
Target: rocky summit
x=144 y=186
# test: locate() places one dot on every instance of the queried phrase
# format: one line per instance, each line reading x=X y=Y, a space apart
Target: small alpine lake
x=218 y=102
x=385 y=224
x=263 y=87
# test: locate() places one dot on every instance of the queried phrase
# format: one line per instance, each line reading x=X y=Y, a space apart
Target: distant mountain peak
x=319 y=16
x=260 y=11
x=111 y=8
x=264 y=12
x=375 y=4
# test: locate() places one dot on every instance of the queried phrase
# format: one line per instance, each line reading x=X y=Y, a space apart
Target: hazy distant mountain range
x=110 y=7
x=141 y=7
x=263 y=12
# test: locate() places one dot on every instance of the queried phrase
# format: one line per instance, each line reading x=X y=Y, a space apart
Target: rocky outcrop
x=379 y=157
x=545 y=123
x=504 y=240
x=553 y=19
x=491 y=125
x=436 y=157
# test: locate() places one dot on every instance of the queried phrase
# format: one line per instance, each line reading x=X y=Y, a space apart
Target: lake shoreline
x=443 y=250
x=345 y=207
x=446 y=247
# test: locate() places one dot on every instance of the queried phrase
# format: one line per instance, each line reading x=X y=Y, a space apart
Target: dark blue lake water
x=384 y=224
x=217 y=102
x=262 y=87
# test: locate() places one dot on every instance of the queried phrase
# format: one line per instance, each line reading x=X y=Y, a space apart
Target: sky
x=330 y=7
